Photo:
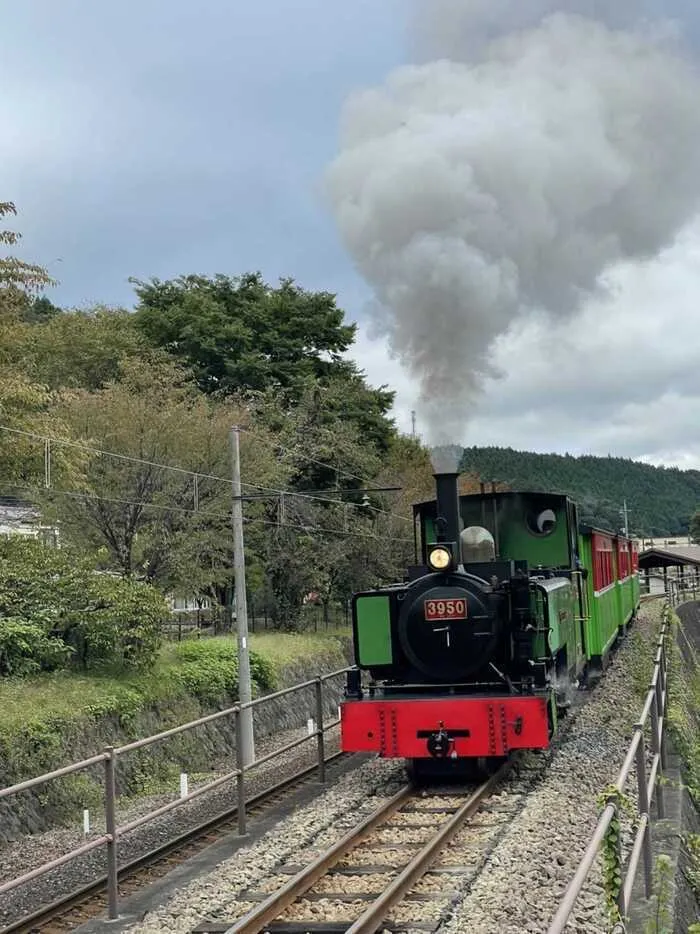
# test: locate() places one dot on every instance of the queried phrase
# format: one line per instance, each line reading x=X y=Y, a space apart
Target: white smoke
x=472 y=189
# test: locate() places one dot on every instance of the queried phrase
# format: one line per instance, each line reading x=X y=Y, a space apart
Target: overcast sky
x=162 y=137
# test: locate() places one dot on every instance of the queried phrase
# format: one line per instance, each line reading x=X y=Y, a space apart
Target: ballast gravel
x=32 y=850
x=504 y=873
x=218 y=896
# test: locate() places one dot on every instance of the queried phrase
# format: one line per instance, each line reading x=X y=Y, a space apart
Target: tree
x=17 y=277
x=694 y=528
x=241 y=334
x=85 y=349
x=24 y=398
x=163 y=525
x=55 y=608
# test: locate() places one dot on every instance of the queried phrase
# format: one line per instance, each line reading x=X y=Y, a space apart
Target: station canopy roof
x=670 y=556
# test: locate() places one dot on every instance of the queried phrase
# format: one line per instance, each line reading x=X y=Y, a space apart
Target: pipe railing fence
x=111 y=755
x=648 y=764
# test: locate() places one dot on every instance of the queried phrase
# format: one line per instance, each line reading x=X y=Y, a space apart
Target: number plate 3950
x=445 y=609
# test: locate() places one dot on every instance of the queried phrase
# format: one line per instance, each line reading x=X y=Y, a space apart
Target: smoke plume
x=507 y=174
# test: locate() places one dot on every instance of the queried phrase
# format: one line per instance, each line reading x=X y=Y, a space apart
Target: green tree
x=55 y=608
x=694 y=528
x=162 y=525
x=242 y=334
x=84 y=349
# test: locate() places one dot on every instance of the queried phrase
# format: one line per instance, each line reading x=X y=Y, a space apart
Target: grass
x=283 y=649
x=204 y=669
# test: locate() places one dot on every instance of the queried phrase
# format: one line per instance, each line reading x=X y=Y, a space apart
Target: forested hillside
x=660 y=500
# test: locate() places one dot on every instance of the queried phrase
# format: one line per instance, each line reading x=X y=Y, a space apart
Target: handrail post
x=663 y=694
x=240 y=774
x=662 y=671
x=643 y=808
x=319 y=731
x=656 y=749
x=111 y=828
x=620 y=900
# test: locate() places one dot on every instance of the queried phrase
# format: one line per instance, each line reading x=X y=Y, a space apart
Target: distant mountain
x=660 y=500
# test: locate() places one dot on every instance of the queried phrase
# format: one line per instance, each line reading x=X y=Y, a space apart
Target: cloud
x=168 y=137
x=620 y=377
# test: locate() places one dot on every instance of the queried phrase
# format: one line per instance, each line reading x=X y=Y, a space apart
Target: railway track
x=90 y=901
x=381 y=875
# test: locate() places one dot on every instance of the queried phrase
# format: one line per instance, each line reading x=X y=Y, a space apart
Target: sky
x=162 y=137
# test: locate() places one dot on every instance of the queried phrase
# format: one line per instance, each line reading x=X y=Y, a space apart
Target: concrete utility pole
x=626 y=518
x=244 y=687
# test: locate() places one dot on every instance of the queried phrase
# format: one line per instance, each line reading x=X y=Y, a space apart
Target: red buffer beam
x=475 y=726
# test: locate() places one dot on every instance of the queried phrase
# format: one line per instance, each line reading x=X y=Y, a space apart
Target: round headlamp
x=439 y=559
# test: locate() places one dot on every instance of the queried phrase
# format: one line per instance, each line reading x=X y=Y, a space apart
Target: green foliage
x=54 y=606
x=208 y=669
x=83 y=349
x=242 y=334
x=611 y=848
x=694 y=527
x=26 y=648
x=691 y=842
x=660 y=499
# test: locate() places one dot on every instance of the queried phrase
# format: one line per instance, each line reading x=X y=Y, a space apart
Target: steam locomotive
x=510 y=605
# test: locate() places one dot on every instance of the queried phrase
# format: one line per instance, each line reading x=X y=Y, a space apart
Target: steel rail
x=371 y=919
x=61 y=906
x=256 y=919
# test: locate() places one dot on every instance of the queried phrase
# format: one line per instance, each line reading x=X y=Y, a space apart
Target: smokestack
x=445 y=461
x=447 y=507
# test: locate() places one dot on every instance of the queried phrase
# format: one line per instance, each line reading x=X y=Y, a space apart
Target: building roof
x=670 y=556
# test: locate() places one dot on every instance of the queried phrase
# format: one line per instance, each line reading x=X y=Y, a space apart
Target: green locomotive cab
x=540 y=528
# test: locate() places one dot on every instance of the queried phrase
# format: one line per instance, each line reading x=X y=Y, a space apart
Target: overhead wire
x=202 y=475
x=77 y=494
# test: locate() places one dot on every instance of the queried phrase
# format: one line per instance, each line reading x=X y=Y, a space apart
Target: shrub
x=209 y=668
x=66 y=610
x=25 y=648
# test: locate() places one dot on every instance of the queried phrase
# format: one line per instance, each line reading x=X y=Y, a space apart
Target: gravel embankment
x=519 y=856
x=31 y=851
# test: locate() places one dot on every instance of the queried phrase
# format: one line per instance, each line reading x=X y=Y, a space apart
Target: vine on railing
x=611 y=849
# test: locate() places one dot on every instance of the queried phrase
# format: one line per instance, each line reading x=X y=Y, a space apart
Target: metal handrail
x=109 y=757
x=654 y=709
